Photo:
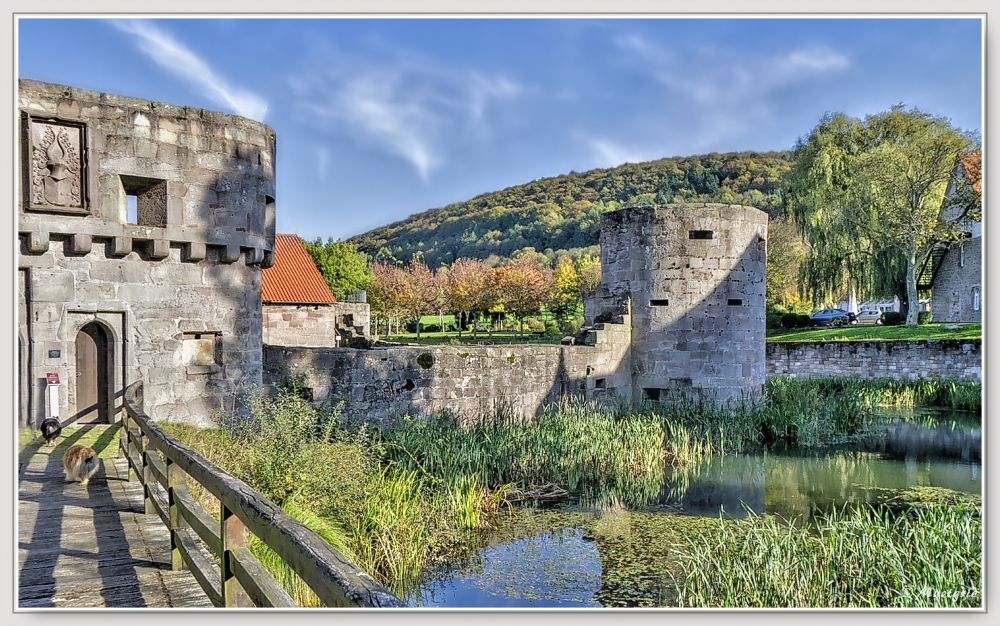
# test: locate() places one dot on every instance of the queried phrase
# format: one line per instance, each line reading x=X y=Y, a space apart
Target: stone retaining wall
x=468 y=381
x=902 y=360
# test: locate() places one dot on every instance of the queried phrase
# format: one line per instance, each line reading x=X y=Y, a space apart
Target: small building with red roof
x=298 y=307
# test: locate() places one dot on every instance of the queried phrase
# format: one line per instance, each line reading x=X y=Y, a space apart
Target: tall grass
x=336 y=481
x=392 y=500
x=816 y=411
x=865 y=558
x=581 y=446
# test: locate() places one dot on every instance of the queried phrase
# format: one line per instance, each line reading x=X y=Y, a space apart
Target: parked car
x=869 y=318
x=830 y=317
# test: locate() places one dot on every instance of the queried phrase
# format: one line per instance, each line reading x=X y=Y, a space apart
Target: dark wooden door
x=91 y=375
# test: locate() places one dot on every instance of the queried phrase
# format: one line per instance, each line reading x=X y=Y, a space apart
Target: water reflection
x=912 y=450
x=624 y=559
x=558 y=569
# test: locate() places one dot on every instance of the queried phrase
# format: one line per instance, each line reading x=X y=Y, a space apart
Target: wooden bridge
x=146 y=542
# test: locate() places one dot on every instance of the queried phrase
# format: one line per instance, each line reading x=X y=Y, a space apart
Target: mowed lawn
x=878 y=333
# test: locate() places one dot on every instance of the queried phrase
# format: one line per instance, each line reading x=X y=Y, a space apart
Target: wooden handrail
x=234 y=577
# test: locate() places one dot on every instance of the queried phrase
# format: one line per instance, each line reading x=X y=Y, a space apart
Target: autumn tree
x=522 y=288
x=588 y=268
x=389 y=291
x=565 y=301
x=343 y=268
x=867 y=195
x=421 y=293
x=440 y=300
x=467 y=288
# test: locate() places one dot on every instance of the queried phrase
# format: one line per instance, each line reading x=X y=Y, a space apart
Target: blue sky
x=377 y=119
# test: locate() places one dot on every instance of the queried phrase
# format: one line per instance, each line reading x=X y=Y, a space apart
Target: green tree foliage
x=868 y=196
x=562 y=214
x=588 y=267
x=786 y=251
x=343 y=268
x=565 y=302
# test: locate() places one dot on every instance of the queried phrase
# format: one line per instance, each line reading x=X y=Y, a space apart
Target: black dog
x=51 y=428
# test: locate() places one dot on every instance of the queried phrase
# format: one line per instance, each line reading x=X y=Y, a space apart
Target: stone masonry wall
x=952 y=297
x=467 y=381
x=902 y=360
x=470 y=381
x=314 y=324
x=299 y=324
x=176 y=289
x=694 y=278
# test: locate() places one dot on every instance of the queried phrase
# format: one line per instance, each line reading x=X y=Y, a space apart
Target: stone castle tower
x=142 y=228
x=690 y=280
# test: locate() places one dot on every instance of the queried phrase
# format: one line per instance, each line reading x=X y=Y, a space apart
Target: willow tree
x=868 y=196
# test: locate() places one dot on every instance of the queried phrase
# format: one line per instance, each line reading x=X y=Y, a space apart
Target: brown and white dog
x=80 y=463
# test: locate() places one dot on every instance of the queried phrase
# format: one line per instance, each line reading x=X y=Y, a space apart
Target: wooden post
x=234 y=535
x=123 y=434
x=148 y=479
x=177 y=480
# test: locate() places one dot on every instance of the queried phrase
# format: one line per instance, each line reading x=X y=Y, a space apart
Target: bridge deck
x=92 y=546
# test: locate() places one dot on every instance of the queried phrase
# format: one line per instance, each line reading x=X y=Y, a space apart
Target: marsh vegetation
x=638 y=489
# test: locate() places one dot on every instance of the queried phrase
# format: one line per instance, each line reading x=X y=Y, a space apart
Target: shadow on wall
x=175 y=286
x=695 y=330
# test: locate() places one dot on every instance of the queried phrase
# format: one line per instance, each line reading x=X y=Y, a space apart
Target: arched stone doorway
x=93 y=364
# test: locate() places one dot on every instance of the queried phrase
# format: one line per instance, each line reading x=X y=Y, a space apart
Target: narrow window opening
x=150 y=197
x=132 y=207
x=600 y=383
x=975 y=298
x=658 y=302
x=699 y=234
x=268 y=216
x=961 y=256
x=735 y=302
x=651 y=393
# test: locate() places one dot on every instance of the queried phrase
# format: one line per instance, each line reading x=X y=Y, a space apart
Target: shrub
x=790 y=320
x=891 y=318
x=534 y=324
x=411 y=327
x=773 y=320
x=924 y=317
x=804 y=321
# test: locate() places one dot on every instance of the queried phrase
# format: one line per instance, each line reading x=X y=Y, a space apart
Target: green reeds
x=286 y=577
x=579 y=446
x=867 y=557
x=816 y=411
x=392 y=530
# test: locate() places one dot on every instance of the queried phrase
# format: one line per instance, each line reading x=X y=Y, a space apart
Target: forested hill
x=563 y=213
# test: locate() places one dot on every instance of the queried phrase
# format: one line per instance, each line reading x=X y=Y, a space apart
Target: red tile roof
x=972 y=163
x=294 y=278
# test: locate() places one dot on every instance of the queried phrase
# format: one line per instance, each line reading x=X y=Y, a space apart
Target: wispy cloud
x=410 y=107
x=733 y=91
x=177 y=59
x=322 y=157
x=607 y=153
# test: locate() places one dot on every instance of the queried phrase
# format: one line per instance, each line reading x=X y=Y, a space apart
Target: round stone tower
x=692 y=279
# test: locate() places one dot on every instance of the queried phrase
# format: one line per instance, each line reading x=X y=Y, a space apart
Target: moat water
x=592 y=555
